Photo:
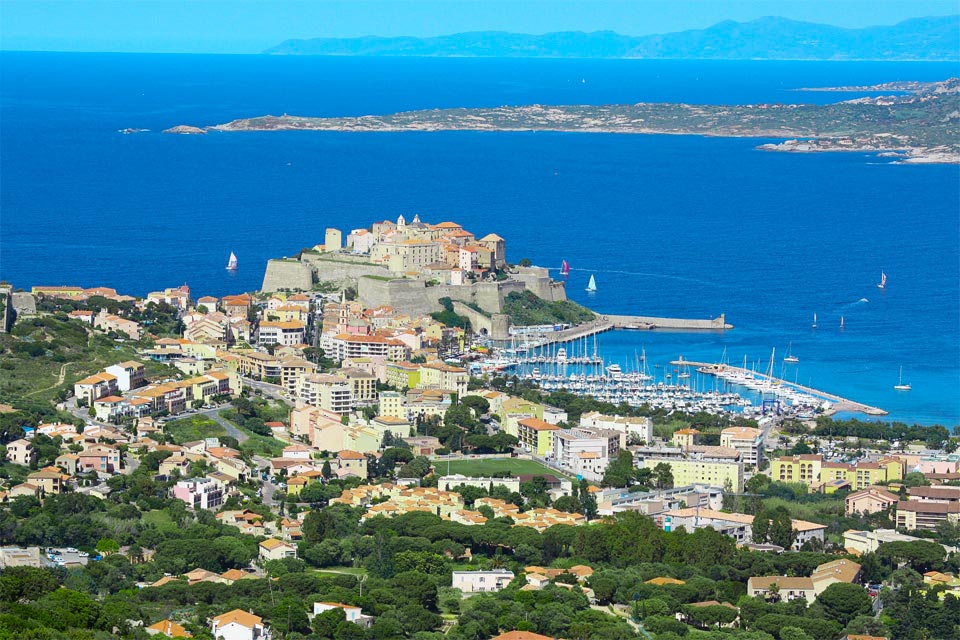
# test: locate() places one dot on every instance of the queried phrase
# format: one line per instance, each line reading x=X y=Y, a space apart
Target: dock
x=838 y=403
x=609 y=322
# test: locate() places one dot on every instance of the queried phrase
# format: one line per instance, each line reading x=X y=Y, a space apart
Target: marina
x=577 y=366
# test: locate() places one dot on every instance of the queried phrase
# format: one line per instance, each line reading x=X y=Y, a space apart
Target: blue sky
x=249 y=26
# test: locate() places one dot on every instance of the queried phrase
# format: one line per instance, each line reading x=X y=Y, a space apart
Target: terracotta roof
x=169 y=628
x=240 y=617
x=537 y=424
x=346 y=454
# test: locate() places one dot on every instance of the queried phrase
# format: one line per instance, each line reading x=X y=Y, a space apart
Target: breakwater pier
x=609 y=322
x=767 y=383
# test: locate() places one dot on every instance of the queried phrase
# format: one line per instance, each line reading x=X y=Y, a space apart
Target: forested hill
x=770 y=38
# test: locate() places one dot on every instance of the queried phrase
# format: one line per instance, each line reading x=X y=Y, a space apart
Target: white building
x=280 y=333
x=585 y=452
x=329 y=392
x=481 y=581
x=130 y=375
x=239 y=625
x=354 y=614
x=747 y=440
x=20 y=452
x=446 y=483
x=637 y=429
x=200 y=493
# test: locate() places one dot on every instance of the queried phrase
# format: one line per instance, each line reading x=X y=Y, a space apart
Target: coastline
x=920 y=123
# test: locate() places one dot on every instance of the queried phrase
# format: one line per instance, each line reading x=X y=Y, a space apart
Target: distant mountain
x=771 y=38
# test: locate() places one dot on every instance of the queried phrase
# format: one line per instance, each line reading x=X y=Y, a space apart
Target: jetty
x=838 y=403
x=609 y=322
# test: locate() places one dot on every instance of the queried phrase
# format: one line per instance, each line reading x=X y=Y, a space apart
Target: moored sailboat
x=900 y=386
x=790 y=357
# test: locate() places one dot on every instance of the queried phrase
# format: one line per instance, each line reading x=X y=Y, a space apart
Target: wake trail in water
x=661 y=276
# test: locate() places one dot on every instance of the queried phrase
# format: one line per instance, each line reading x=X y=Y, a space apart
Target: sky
x=250 y=26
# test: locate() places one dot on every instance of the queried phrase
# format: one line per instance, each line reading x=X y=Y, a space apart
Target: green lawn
x=193 y=428
x=161 y=519
x=487 y=466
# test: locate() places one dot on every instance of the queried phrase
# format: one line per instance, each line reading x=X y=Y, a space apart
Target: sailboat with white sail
x=814 y=319
x=232 y=263
x=883 y=281
x=592 y=285
x=790 y=357
x=900 y=386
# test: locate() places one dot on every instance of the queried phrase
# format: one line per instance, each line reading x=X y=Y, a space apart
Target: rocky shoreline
x=923 y=124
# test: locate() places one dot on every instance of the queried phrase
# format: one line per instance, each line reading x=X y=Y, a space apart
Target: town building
x=200 y=493
x=281 y=333
x=782 y=588
x=20 y=452
x=239 y=625
x=482 y=581
x=352 y=613
x=273 y=549
x=748 y=441
x=536 y=435
x=329 y=392
x=129 y=375
x=869 y=500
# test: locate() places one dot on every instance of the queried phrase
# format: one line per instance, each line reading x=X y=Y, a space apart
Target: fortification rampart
x=287 y=274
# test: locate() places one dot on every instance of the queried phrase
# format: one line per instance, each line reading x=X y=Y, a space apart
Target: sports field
x=488 y=466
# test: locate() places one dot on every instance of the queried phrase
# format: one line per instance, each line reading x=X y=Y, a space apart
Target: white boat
x=614 y=369
x=814 y=320
x=883 y=281
x=592 y=285
x=232 y=263
x=900 y=386
x=561 y=355
x=841 y=323
x=565 y=268
x=790 y=357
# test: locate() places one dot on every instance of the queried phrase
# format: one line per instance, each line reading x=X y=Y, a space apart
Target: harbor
x=544 y=335
x=770 y=384
x=577 y=365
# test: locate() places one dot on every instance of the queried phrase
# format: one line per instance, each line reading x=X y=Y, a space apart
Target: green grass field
x=485 y=467
x=193 y=428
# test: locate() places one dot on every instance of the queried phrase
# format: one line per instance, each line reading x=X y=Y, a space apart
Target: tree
x=620 y=471
x=794 y=633
x=108 y=545
x=326 y=471
x=843 y=602
x=774 y=526
x=588 y=503
x=663 y=476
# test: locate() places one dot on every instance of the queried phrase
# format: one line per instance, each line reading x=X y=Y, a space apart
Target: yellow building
x=803 y=468
x=438 y=375
x=689 y=471
x=403 y=375
x=685 y=438
x=393 y=404
x=812 y=470
x=536 y=435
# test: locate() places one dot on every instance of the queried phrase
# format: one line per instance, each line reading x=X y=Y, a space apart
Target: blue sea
x=669 y=225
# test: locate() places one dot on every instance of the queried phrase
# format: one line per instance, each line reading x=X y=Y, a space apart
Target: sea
x=683 y=226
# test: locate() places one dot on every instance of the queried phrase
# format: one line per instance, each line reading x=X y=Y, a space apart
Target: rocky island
x=921 y=123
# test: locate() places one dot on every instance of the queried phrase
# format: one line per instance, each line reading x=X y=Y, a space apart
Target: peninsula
x=921 y=122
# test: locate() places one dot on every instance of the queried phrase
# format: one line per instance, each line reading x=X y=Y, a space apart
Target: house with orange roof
x=96 y=386
x=168 y=628
x=273 y=549
x=351 y=463
x=239 y=625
